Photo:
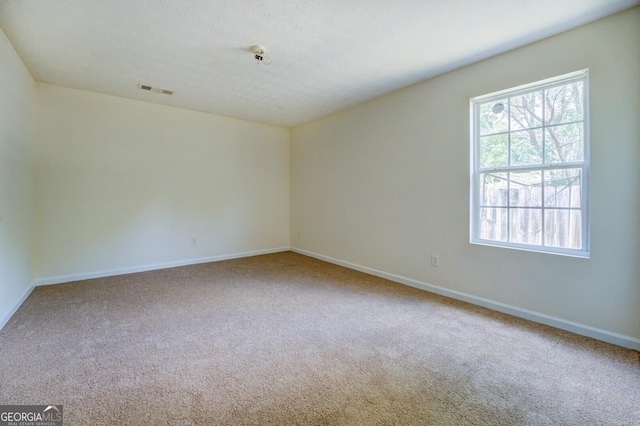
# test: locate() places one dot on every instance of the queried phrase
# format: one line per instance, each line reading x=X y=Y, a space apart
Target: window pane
x=526 y=226
x=526 y=147
x=526 y=111
x=494 y=151
x=494 y=117
x=564 y=103
x=563 y=188
x=493 y=189
x=526 y=189
x=563 y=228
x=564 y=144
x=493 y=224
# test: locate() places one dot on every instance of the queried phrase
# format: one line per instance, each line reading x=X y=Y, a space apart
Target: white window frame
x=474 y=238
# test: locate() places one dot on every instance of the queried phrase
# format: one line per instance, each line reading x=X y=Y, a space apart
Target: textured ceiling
x=326 y=55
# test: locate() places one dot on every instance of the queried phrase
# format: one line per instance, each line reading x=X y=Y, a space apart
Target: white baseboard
x=577 y=328
x=17 y=305
x=153 y=267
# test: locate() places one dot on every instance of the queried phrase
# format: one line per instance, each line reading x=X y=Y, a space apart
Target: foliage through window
x=530 y=167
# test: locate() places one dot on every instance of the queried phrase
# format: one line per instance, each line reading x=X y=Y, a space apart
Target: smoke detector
x=259 y=54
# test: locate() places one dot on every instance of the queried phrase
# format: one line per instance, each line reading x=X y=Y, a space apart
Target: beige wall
x=17 y=103
x=385 y=184
x=126 y=184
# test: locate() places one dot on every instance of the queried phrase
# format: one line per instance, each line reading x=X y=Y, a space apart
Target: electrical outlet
x=435 y=260
x=194 y=241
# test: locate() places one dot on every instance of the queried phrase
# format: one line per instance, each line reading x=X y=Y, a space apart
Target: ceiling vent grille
x=155 y=89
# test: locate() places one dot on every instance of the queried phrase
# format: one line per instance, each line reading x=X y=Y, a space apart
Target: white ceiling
x=326 y=54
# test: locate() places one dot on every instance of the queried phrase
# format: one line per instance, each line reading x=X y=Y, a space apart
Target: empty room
x=320 y=212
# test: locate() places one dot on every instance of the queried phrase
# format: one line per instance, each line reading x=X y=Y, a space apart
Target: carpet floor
x=286 y=339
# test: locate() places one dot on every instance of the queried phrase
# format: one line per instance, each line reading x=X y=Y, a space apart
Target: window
x=530 y=167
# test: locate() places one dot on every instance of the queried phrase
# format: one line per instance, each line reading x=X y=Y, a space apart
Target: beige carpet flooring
x=286 y=339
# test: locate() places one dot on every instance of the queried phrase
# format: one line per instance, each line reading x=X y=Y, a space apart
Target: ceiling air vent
x=155 y=89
